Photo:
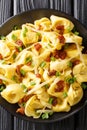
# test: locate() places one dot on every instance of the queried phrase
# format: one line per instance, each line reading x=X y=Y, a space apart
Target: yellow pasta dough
x=42 y=67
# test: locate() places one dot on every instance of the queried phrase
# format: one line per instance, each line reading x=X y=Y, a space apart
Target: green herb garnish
x=65 y=94
x=32 y=83
x=46 y=86
x=45 y=115
x=70 y=64
x=24 y=88
x=15 y=27
x=57 y=74
x=23 y=73
x=76 y=33
x=14 y=56
x=66 y=45
x=42 y=64
x=2 y=37
x=28 y=59
x=14 y=78
x=53 y=58
x=50 y=100
x=20 y=49
x=84 y=85
x=2 y=87
x=25 y=31
x=71 y=80
x=14 y=37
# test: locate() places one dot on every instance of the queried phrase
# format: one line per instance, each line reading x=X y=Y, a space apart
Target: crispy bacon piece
x=61 y=38
x=52 y=72
x=47 y=59
x=60 y=86
x=54 y=103
x=20 y=110
x=62 y=54
x=28 y=64
x=38 y=75
x=19 y=42
x=56 y=54
x=1 y=57
x=40 y=27
x=18 y=69
x=76 y=62
x=1 y=81
x=37 y=46
x=25 y=98
x=60 y=28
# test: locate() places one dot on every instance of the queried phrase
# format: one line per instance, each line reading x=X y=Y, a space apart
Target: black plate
x=31 y=16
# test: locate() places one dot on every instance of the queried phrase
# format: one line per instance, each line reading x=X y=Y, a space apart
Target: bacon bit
x=1 y=81
x=60 y=28
x=37 y=46
x=16 y=49
x=76 y=62
x=25 y=98
x=62 y=39
x=18 y=69
x=56 y=54
x=38 y=75
x=47 y=59
x=54 y=103
x=62 y=54
x=60 y=86
x=20 y=110
x=52 y=72
x=28 y=64
x=40 y=27
x=1 y=56
x=19 y=42
x=20 y=101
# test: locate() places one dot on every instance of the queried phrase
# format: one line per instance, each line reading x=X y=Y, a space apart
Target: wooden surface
x=78 y=9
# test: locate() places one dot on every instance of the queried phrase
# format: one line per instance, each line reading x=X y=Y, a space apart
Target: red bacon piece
x=37 y=46
x=60 y=86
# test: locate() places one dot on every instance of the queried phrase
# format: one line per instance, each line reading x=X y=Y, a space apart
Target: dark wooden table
x=76 y=8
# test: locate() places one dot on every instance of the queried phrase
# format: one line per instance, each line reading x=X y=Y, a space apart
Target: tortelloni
x=42 y=67
x=12 y=93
